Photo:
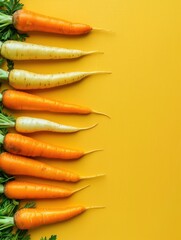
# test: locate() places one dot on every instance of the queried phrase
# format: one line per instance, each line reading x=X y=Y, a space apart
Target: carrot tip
x=80 y=189
x=93 y=52
x=102 y=29
x=87 y=128
x=93 y=176
x=92 y=151
x=95 y=207
x=101 y=113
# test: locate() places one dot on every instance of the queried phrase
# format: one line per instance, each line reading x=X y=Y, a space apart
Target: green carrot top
x=7 y=30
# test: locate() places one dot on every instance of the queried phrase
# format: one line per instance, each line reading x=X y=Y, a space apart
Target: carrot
x=27 y=21
x=15 y=50
x=18 y=165
x=25 y=80
x=28 y=190
x=28 y=218
x=30 y=125
x=22 y=145
x=17 y=100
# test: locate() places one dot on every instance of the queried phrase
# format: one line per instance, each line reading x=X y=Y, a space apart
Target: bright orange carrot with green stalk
x=15 y=50
x=31 y=124
x=18 y=100
x=28 y=190
x=28 y=218
x=18 y=165
x=25 y=80
x=26 y=146
x=25 y=21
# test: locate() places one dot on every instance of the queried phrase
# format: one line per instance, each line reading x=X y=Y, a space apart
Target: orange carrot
x=17 y=100
x=18 y=165
x=22 y=145
x=28 y=190
x=28 y=218
x=27 y=21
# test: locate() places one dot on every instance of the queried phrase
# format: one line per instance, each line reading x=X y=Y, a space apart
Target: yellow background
x=142 y=140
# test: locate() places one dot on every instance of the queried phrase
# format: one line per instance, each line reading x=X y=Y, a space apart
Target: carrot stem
x=5 y=20
x=1 y=188
x=4 y=75
x=1 y=139
x=6 y=121
x=6 y=222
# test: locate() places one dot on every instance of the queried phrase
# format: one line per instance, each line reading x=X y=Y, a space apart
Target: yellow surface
x=141 y=141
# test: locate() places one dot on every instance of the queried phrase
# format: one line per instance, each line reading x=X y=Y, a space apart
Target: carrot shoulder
x=26 y=21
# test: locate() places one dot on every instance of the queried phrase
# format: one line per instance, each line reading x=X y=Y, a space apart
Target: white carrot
x=25 y=80
x=15 y=50
x=30 y=125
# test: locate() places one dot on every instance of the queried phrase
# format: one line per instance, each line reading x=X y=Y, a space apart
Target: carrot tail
x=26 y=21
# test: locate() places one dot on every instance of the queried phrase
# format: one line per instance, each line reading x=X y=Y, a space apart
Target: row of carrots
x=16 y=159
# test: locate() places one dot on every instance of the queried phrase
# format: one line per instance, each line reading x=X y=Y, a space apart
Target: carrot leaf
x=7 y=234
x=10 y=6
x=8 y=206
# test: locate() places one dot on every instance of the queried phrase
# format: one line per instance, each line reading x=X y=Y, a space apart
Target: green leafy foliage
x=10 y=6
x=8 y=206
x=8 y=234
x=7 y=30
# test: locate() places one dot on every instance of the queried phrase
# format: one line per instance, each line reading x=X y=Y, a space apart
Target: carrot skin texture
x=27 y=190
x=15 y=50
x=18 y=100
x=27 y=21
x=30 y=125
x=22 y=145
x=25 y=80
x=19 y=165
x=28 y=218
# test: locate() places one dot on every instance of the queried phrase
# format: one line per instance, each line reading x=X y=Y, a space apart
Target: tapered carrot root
x=27 y=21
x=28 y=218
x=18 y=165
x=22 y=145
x=32 y=218
x=30 y=125
x=18 y=100
x=15 y=50
x=25 y=80
x=27 y=190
